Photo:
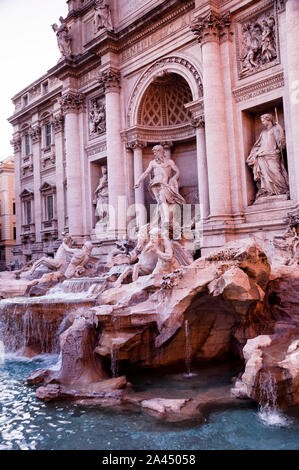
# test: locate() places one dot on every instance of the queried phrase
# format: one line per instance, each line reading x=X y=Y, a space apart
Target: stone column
x=167 y=148
x=209 y=29
x=17 y=145
x=292 y=16
x=57 y=125
x=129 y=166
x=36 y=152
x=110 y=79
x=202 y=169
x=71 y=103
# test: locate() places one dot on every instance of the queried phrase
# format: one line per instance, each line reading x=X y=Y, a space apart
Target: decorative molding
x=159 y=30
x=257 y=39
x=212 y=27
x=159 y=134
x=110 y=79
x=57 y=123
x=259 y=88
x=97 y=149
x=71 y=102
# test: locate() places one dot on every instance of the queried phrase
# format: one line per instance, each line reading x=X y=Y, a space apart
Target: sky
x=28 y=49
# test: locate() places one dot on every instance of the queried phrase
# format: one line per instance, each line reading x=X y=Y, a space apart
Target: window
x=27 y=144
x=14 y=208
x=28 y=212
x=25 y=100
x=45 y=87
x=50 y=212
x=14 y=233
x=48 y=134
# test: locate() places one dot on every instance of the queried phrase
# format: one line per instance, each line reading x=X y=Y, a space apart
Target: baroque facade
x=195 y=76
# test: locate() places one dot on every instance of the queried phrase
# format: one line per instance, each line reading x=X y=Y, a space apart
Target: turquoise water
x=26 y=423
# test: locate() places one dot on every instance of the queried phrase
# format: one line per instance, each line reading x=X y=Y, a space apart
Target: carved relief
x=97 y=117
x=35 y=133
x=257 y=42
x=16 y=142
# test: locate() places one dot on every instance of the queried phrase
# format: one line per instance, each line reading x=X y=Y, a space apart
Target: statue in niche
x=102 y=16
x=258 y=43
x=59 y=262
x=63 y=38
x=266 y=160
x=163 y=185
x=101 y=194
x=97 y=118
x=80 y=258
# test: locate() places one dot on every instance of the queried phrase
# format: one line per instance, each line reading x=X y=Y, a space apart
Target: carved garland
x=150 y=72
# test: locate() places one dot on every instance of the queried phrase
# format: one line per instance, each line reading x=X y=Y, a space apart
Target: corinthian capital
x=35 y=133
x=110 y=79
x=71 y=102
x=16 y=143
x=211 y=27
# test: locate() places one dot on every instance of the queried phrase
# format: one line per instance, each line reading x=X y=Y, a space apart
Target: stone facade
x=7 y=212
x=194 y=76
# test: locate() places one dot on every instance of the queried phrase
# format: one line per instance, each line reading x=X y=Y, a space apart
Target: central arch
x=168 y=65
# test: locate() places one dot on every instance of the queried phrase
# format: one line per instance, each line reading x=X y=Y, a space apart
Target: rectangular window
x=48 y=134
x=14 y=208
x=28 y=212
x=25 y=100
x=14 y=233
x=45 y=87
x=50 y=212
x=27 y=144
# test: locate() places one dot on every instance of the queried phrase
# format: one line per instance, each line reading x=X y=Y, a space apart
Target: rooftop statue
x=102 y=16
x=63 y=38
x=266 y=160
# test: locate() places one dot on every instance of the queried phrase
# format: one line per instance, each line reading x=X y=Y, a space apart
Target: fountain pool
x=27 y=423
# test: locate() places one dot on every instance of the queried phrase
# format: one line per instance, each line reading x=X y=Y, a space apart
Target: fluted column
x=36 y=152
x=17 y=146
x=116 y=175
x=292 y=18
x=209 y=29
x=71 y=104
x=202 y=169
x=57 y=125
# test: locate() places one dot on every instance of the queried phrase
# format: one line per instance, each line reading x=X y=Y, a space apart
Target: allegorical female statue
x=63 y=37
x=266 y=160
x=101 y=194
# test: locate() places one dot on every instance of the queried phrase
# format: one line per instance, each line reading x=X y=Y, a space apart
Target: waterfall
x=269 y=413
x=188 y=352
x=114 y=361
